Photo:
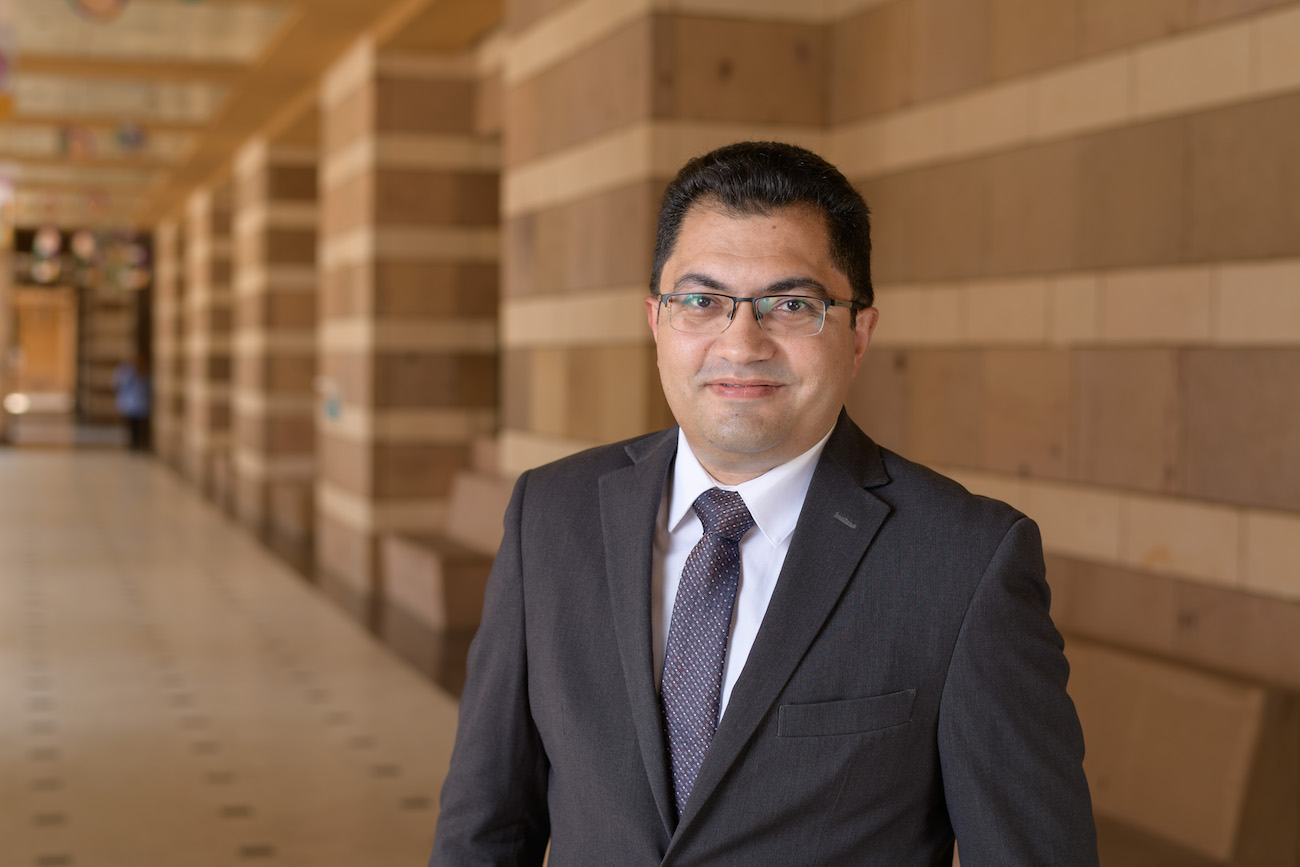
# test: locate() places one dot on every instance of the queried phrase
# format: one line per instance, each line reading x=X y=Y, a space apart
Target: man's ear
x=862 y=331
x=652 y=315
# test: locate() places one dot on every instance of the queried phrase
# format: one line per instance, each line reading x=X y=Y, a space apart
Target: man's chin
x=742 y=440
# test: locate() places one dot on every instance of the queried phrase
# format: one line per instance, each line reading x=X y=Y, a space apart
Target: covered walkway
x=176 y=696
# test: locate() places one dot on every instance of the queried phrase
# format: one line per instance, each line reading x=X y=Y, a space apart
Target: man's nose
x=745 y=337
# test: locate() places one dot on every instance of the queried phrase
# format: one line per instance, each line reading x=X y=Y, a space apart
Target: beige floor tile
x=175 y=696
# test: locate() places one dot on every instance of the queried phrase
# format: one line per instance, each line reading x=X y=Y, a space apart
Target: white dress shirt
x=774 y=499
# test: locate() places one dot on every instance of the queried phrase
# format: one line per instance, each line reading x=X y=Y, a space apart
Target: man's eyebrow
x=780 y=287
x=698 y=279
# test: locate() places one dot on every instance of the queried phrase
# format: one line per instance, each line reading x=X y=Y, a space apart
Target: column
x=603 y=102
x=106 y=338
x=168 y=344
x=6 y=311
x=409 y=269
x=273 y=403
x=207 y=341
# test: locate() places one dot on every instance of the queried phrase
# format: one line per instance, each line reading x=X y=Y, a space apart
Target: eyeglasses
x=778 y=315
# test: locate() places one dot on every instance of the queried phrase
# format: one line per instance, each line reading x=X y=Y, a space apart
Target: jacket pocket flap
x=848 y=717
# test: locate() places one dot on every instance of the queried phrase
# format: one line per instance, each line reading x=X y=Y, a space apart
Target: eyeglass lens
x=779 y=315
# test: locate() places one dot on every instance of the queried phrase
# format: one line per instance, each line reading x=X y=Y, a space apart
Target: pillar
x=208 y=341
x=168 y=344
x=6 y=310
x=106 y=338
x=409 y=268
x=274 y=284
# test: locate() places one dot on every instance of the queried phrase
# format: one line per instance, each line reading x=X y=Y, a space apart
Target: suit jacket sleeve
x=1011 y=749
x=493 y=804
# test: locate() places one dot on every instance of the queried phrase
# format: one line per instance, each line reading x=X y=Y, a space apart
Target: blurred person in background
x=132 y=395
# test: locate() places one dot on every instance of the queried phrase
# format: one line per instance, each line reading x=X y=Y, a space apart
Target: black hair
x=757 y=178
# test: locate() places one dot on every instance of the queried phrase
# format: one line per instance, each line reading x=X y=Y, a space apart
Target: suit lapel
x=838 y=521
x=629 y=508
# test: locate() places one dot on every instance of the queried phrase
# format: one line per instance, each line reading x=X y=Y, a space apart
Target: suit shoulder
x=590 y=464
x=916 y=485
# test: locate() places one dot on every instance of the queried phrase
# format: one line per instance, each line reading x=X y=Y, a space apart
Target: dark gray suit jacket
x=906 y=684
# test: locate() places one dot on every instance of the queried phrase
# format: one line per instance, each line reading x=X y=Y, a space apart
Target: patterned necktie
x=697 y=636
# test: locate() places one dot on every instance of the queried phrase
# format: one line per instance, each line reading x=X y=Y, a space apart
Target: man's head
x=757 y=178
x=758 y=221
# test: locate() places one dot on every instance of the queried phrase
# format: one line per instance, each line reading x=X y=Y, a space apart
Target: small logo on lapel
x=845 y=521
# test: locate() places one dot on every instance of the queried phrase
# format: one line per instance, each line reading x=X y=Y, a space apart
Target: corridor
x=173 y=696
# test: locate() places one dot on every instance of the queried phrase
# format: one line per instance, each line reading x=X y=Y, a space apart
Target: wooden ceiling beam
x=72 y=66
x=99 y=122
x=130 y=189
x=143 y=162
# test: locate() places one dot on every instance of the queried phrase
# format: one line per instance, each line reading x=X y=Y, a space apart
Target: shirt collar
x=774 y=498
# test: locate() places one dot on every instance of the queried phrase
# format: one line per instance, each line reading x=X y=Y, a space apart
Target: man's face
x=748 y=401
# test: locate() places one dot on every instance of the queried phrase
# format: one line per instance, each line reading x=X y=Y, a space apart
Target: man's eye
x=698 y=302
x=794 y=305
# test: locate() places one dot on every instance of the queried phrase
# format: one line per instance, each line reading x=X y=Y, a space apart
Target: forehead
x=712 y=223
x=783 y=243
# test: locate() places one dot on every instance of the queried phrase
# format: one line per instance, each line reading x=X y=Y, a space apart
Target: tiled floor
x=173 y=696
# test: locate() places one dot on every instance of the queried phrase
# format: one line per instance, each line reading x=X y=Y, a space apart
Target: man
x=131 y=386
x=849 y=660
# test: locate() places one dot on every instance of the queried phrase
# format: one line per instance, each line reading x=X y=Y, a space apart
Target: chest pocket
x=852 y=716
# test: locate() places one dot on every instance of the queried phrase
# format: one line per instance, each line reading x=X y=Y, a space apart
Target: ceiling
x=112 y=122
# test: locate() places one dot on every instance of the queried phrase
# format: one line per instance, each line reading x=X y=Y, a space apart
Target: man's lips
x=742 y=388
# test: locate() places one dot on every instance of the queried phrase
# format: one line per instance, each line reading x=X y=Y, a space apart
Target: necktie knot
x=723 y=513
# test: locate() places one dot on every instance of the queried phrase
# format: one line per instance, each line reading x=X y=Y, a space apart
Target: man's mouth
x=744 y=388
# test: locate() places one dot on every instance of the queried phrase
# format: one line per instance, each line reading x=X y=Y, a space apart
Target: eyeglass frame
x=852 y=306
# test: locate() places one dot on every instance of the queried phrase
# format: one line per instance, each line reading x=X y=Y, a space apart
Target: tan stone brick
x=428 y=380
x=1110 y=24
x=871 y=62
x=290 y=246
x=1029 y=35
x=407 y=197
x=350 y=377
x=1034 y=207
x=1133 y=196
x=948 y=221
x=951 y=41
x=291 y=183
x=435 y=289
x=1239 y=421
x=733 y=70
x=348 y=121
x=290 y=435
x=345 y=464
x=892 y=204
x=597 y=242
x=346 y=205
x=599 y=88
x=347 y=291
x=416 y=470
x=288 y=374
x=1211 y=11
x=609 y=390
x=516 y=385
x=1125 y=419
x=1245 y=181
x=878 y=399
x=523 y=13
x=1026 y=412
x=945 y=407
x=423 y=105
x=290 y=310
